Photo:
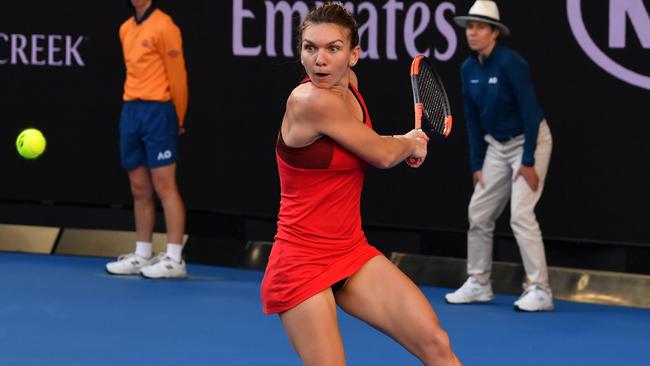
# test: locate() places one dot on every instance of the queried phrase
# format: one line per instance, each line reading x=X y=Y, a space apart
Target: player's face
x=326 y=55
x=480 y=36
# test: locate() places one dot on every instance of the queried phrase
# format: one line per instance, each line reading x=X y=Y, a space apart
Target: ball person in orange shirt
x=155 y=101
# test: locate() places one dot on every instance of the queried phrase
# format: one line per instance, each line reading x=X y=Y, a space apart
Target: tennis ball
x=30 y=143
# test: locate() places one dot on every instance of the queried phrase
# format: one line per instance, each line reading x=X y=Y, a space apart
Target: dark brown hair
x=331 y=12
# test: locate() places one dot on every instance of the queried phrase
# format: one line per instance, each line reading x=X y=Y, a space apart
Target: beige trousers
x=502 y=161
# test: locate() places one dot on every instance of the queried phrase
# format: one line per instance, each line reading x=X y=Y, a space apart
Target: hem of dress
x=309 y=294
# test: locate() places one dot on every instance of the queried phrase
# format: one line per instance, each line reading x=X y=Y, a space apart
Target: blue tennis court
x=64 y=310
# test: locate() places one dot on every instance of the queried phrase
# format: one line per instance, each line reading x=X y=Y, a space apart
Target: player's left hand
x=530 y=175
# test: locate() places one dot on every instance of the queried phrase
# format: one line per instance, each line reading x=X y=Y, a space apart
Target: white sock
x=482 y=278
x=143 y=249
x=174 y=251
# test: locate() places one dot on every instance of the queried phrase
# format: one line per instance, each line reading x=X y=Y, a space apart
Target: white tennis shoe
x=471 y=291
x=127 y=264
x=535 y=298
x=164 y=267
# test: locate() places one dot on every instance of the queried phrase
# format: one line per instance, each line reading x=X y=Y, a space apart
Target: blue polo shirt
x=500 y=101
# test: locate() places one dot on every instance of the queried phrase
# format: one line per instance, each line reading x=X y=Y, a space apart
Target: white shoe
x=127 y=264
x=535 y=298
x=471 y=291
x=164 y=267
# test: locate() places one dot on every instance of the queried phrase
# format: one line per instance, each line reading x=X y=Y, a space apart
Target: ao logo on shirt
x=623 y=15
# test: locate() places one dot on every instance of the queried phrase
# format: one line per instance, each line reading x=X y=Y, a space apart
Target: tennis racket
x=432 y=111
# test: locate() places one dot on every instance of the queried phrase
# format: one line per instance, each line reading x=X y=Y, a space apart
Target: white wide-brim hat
x=485 y=11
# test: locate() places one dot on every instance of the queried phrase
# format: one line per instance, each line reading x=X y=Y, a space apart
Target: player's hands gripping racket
x=432 y=111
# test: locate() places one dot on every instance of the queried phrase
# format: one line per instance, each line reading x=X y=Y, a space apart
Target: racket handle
x=419 y=109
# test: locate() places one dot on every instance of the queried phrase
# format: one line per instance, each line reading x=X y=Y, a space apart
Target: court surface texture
x=65 y=310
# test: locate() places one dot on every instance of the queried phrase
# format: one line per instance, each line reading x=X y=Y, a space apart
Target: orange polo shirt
x=155 y=66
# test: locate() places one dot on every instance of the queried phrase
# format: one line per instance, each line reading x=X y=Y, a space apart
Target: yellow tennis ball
x=30 y=143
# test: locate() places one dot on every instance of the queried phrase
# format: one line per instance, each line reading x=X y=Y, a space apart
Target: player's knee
x=141 y=191
x=521 y=220
x=164 y=186
x=432 y=341
x=441 y=342
x=436 y=345
x=477 y=219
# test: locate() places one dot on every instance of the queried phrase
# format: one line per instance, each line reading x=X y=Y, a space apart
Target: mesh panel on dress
x=317 y=155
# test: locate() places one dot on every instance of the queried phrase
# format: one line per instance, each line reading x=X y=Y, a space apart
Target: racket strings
x=433 y=98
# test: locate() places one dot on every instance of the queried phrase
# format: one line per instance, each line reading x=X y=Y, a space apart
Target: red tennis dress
x=319 y=240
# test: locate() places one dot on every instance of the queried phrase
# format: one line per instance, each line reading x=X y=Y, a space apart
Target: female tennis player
x=321 y=256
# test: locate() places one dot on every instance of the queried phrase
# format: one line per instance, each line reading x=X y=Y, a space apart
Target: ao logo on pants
x=621 y=14
x=164 y=155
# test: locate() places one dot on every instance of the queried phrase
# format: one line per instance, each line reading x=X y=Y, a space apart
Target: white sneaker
x=164 y=267
x=127 y=264
x=471 y=291
x=535 y=298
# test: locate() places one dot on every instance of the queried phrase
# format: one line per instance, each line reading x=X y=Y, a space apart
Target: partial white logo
x=164 y=155
x=493 y=80
x=41 y=49
x=620 y=11
x=393 y=18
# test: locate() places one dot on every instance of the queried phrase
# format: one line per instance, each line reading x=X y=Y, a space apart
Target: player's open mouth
x=321 y=74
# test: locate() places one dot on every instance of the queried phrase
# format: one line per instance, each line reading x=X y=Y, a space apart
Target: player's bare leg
x=383 y=296
x=164 y=182
x=144 y=207
x=312 y=328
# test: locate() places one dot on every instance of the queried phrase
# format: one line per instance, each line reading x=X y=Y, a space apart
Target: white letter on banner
x=409 y=33
x=370 y=28
x=18 y=43
x=287 y=24
x=619 y=10
x=391 y=6
x=238 y=16
x=53 y=49
x=71 y=50
x=6 y=38
x=447 y=30
x=36 y=49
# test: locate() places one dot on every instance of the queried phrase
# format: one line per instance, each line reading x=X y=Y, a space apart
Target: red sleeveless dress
x=319 y=240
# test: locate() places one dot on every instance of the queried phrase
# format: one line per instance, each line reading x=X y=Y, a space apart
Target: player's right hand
x=419 y=153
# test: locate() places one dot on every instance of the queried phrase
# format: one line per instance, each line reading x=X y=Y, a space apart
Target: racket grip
x=419 y=108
